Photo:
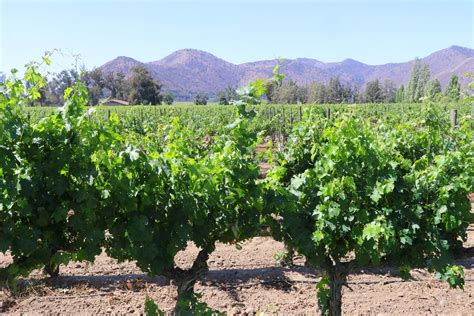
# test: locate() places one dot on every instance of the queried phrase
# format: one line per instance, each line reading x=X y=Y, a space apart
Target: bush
x=366 y=190
x=200 y=99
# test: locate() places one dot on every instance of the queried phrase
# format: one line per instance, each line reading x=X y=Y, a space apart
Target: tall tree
x=400 y=96
x=423 y=80
x=95 y=84
x=59 y=83
x=432 y=89
x=411 y=90
x=143 y=88
x=374 y=92
x=287 y=93
x=317 y=93
x=453 y=90
x=389 y=91
x=335 y=91
x=117 y=85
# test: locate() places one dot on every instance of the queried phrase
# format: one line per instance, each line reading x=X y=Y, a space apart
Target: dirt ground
x=245 y=281
x=240 y=281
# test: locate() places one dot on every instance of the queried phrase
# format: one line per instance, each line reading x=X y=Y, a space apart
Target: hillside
x=188 y=71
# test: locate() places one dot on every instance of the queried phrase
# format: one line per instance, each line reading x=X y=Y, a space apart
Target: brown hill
x=188 y=71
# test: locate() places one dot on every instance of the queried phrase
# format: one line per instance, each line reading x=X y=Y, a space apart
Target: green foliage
x=200 y=99
x=386 y=186
x=374 y=92
x=168 y=98
x=192 y=306
x=227 y=96
x=143 y=88
x=433 y=89
x=51 y=214
x=151 y=309
x=324 y=293
x=453 y=90
x=392 y=192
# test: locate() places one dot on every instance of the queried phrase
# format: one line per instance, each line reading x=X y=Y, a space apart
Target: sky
x=373 y=32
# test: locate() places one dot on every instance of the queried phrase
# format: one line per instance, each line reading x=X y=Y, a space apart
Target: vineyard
x=271 y=118
x=350 y=190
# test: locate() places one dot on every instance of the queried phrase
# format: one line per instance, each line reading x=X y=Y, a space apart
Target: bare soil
x=239 y=281
x=243 y=281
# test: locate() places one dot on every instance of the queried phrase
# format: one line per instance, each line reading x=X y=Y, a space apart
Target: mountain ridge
x=188 y=71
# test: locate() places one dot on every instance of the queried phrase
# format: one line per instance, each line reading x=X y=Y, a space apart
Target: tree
x=302 y=94
x=168 y=98
x=374 y=92
x=143 y=88
x=95 y=84
x=117 y=85
x=317 y=93
x=432 y=89
x=227 y=95
x=420 y=75
x=287 y=93
x=389 y=91
x=200 y=98
x=422 y=82
x=270 y=87
x=59 y=83
x=453 y=90
x=400 y=96
x=335 y=91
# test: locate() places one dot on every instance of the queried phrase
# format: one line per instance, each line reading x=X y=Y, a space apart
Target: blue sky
x=371 y=31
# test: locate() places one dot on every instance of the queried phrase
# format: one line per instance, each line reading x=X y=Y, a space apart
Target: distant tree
x=143 y=88
x=453 y=90
x=270 y=89
x=95 y=84
x=3 y=77
x=222 y=98
x=302 y=94
x=227 y=95
x=117 y=85
x=423 y=80
x=373 y=92
x=400 y=96
x=200 y=99
x=168 y=98
x=349 y=94
x=411 y=90
x=420 y=75
x=317 y=93
x=58 y=84
x=432 y=89
x=389 y=91
x=287 y=93
x=335 y=91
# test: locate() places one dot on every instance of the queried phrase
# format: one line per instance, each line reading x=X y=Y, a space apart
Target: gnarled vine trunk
x=337 y=279
x=186 y=279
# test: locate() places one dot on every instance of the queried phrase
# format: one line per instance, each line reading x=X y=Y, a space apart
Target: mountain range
x=189 y=71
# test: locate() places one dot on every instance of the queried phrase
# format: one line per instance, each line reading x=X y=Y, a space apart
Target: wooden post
x=300 y=113
x=328 y=113
x=108 y=114
x=454 y=118
x=291 y=116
